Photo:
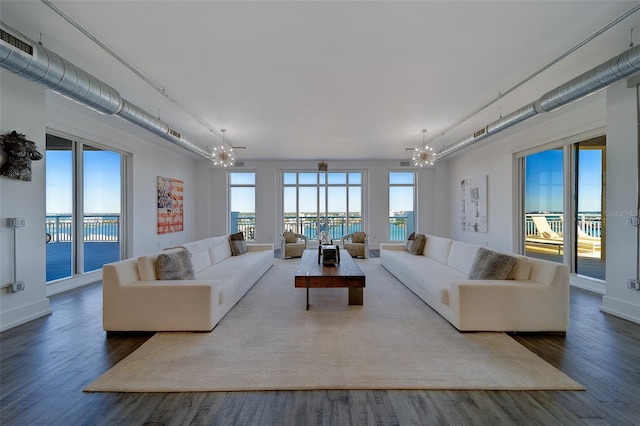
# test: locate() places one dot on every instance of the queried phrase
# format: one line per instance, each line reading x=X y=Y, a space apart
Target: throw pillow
x=238 y=244
x=410 y=241
x=358 y=237
x=416 y=245
x=290 y=237
x=175 y=266
x=490 y=265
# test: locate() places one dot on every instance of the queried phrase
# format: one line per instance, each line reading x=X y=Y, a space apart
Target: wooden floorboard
x=45 y=364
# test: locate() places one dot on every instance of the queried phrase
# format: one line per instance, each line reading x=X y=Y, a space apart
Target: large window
x=401 y=205
x=83 y=207
x=567 y=184
x=242 y=203
x=322 y=201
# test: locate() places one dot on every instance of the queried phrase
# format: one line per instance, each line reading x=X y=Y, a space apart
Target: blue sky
x=101 y=182
x=544 y=181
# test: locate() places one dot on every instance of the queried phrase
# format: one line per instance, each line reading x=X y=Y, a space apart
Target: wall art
x=170 y=205
x=474 y=204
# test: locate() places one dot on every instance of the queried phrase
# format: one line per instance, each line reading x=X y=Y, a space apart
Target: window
x=401 y=205
x=322 y=201
x=242 y=204
x=83 y=207
x=546 y=190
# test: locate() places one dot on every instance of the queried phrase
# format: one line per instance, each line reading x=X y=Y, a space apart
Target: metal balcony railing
x=590 y=223
x=95 y=228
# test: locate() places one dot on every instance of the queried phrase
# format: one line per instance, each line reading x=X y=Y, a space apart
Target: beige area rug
x=268 y=341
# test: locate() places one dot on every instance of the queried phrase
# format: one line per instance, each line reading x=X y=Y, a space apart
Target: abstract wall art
x=170 y=205
x=474 y=204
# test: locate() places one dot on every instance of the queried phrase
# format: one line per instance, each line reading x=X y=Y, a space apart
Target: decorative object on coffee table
x=329 y=255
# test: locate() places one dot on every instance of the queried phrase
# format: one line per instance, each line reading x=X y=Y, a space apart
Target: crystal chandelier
x=424 y=155
x=223 y=156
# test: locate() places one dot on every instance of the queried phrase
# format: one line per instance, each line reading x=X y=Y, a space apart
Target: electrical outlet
x=633 y=221
x=633 y=284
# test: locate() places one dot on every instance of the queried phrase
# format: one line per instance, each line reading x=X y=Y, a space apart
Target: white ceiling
x=329 y=80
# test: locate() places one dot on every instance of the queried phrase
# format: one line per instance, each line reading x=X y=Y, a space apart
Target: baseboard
x=75 y=282
x=619 y=308
x=24 y=314
x=586 y=283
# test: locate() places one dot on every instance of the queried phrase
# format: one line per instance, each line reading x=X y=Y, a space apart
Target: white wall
x=622 y=196
x=22 y=109
x=269 y=197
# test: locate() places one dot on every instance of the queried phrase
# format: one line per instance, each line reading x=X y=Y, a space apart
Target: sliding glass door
x=543 y=204
x=550 y=189
x=590 y=223
x=83 y=207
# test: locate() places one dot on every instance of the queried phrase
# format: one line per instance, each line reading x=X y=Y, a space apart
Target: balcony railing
x=590 y=223
x=311 y=226
x=95 y=228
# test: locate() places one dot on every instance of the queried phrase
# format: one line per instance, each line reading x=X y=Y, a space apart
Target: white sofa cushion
x=461 y=256
x=220 y=249
x=437 y=248
x=521 y=270
x=201 y=260
x=199 y=250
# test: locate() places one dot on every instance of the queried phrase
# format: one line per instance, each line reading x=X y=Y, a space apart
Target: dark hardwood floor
x=45 y=364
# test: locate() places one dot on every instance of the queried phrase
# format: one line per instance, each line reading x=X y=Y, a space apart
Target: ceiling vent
x=405 y=163
x=175 y=133
x=239 y=164
x=480 y=132
x=16 y=42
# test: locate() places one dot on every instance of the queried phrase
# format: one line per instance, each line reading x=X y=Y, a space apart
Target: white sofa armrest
x=160 y=305
x=504 y=305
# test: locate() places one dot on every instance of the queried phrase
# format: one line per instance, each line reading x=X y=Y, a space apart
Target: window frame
x=322 y=186
x=414 y=223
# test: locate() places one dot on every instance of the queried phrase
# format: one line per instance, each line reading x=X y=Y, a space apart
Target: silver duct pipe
x=616 y=69
x=36 y=63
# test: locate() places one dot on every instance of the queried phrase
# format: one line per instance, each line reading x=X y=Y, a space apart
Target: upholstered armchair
x=292 y=244
x=357 y=244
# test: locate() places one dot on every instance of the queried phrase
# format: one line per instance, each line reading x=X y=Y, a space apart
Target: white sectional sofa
x=534 y=298
x=134 y=299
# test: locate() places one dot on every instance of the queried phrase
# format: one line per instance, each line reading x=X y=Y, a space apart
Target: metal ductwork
x=612 y=71
x=33 y=62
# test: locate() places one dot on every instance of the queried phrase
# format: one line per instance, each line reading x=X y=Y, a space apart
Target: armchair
x=292 y=244
x=357 y=244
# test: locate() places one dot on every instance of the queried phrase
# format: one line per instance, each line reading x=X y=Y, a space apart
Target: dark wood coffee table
x=311 y=274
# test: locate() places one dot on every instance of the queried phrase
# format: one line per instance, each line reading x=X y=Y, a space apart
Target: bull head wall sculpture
x=20 y=152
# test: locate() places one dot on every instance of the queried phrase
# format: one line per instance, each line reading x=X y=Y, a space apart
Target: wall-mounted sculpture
x=20 y=152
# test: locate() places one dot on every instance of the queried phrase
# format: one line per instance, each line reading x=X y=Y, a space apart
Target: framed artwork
x=170 y=205
x=474 y=204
